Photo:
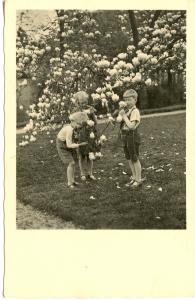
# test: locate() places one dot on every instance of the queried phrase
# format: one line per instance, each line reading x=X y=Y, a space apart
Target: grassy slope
x=41 y=183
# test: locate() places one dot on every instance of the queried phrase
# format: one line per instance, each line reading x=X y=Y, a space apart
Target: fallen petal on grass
x=170 y=169
x=148 y=186
x=158 y=217
x=124 y=173
x=159 y=170
x=150 y=168
x=120 y=164
x=160 y=189
x=92 y=198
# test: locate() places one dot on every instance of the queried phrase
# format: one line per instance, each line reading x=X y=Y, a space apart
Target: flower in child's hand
x=92 y=135
x=103 y=138
x=90 y=123
x=119 y=119
x=91 y=156
x=122 y=104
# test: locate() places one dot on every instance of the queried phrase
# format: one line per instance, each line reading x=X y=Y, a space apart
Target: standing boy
x=130 y=135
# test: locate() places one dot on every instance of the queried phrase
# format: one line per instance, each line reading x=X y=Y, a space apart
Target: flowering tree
x=154 y=46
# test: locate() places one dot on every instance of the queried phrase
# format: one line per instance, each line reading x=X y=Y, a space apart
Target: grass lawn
x=160 y=203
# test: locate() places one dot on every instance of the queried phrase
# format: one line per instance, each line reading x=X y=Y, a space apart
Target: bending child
x=67 y=145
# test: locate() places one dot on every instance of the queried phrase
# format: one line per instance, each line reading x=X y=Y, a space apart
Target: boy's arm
x=135 y=119
x=130 y=124
x=69 y=142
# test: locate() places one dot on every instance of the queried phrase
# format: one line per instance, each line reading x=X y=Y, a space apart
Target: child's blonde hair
x=81 y=96
x=78 y=117
x=130 y=93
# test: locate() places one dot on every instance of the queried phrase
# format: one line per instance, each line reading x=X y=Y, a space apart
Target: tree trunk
x=156 y=15
x=133 y=23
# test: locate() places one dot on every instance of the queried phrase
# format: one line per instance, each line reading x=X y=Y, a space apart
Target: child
x=81 y=98
x=130 y=135
x=67 y=146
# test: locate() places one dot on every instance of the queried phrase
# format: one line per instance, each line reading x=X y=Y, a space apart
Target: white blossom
x=135 y=61
x=122 y=55
x=115 y=97
x=92 y=135
x=90 y=123
x=148 y=82
x=91 y=156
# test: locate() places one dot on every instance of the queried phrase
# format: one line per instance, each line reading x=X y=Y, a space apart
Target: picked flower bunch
x=88 y=133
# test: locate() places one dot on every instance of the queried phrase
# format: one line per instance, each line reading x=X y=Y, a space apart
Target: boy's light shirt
x=135 y=116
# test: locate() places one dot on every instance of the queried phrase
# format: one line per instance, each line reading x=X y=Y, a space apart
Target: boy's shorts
x=131 y=143
x=65 y=153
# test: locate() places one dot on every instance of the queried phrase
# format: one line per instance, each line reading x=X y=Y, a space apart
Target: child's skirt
x=131 y=142
x=66 y=154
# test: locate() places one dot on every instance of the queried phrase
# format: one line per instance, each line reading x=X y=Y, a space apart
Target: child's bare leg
x=132 y=168
x=81 y=166
x=70 y=172
x=137 y=167
x=90 y=169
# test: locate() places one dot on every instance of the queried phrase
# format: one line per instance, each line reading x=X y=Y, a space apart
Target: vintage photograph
x=101 y=119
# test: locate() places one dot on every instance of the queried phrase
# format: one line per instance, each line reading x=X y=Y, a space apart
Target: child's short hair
x=130 y=93
x=79 y=117
x=81 y=96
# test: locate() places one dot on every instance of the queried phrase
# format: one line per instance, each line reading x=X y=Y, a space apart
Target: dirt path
x=30 y=218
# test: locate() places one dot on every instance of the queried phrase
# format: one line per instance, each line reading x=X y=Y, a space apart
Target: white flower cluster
x=103 y=63
x=95 y=96
x=103 y=138
x=130 y=48
x=122 y=104
x=29 y=126
x=142 y=57
x=143 y=42
x=115 y=97
x=137 y=77
x=90 y=123
x=92 y=135
x=148 y=82
x=122 y=56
